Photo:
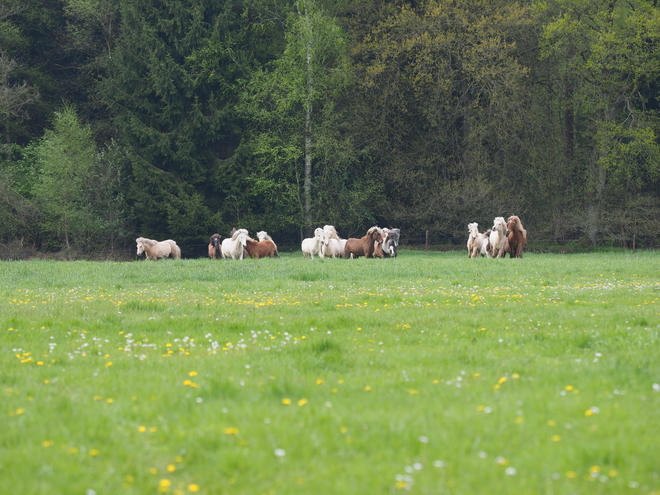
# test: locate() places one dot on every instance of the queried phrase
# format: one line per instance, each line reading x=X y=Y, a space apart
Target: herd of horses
x=503 y=237
x=326 y=243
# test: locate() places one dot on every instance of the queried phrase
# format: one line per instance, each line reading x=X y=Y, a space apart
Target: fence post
x=427 y=241
x=634 y=241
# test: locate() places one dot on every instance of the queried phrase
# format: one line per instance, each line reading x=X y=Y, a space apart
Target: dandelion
x=502 y=380
x=47 y=443
x=192 y=373
x=171 y=468
x=556 y=438
x=591 y=411
x=412 y=391
x=319 y=381
x=302 y=402
x=192 y=487
x=94 y=452
x=142 y=429
x=108 y=364
x=551 y=422
x=571 y=475
x=501 y=461
x=367 y=388
x=230 y=431
x=286 y=401
x=164 y=485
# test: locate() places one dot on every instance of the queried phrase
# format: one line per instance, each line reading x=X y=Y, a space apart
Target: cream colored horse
x=157 y=249
x=497 y=238
x=475 y=241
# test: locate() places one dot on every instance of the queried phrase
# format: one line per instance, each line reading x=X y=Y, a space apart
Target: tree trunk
x=307 y=185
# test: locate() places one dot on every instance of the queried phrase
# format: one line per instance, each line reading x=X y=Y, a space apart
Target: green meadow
x=430 y=373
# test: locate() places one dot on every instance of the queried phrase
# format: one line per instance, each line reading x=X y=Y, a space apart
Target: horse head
x=215 y=240
x=375 y=233
x=262 y=235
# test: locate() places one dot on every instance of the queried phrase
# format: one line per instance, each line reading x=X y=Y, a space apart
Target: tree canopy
x=182 y=118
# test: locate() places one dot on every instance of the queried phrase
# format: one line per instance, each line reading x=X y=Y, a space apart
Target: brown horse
x=215 y=252
x=517 y=236
x=363 y=246
x=261 y=249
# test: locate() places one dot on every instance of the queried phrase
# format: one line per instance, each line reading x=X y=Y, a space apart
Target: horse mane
x=330 y=231
x=517 y=224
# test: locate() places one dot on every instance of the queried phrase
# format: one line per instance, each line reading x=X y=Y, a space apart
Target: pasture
x=430 y=373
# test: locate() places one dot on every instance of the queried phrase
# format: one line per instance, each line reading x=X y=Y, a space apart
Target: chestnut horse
x=261 y=249
x=215 y=252
x=363 y=246
x=517 y=236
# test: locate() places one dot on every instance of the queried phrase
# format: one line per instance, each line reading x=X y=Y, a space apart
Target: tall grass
x=430 y=373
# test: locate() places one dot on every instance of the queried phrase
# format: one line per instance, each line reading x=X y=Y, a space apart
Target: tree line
x=181 y=118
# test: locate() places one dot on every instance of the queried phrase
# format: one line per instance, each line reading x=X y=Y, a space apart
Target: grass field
x=430 y=374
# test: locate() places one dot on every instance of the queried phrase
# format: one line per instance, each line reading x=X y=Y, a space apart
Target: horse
x=215 y=253
x=312 y=245
x=498 y=238
x=363 y=246
x=388 y=247
x=261 y=249
x=517 y=236
x=333 y=245
x=475 y=241
x=157 y=249
x=391 y=242
x=262 y=235
x=233 y=247
x=485 y=247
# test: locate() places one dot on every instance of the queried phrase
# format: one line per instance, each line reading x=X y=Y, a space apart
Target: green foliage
x=77 y=189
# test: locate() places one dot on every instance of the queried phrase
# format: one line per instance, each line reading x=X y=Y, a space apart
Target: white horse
x=157 y=249
x=476 y=241
x=497 y=238
x=262 y=235
x=333 y=245
x=312 y=245
x=233 y=247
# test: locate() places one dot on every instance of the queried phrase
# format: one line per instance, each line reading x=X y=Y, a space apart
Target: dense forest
x=181 y=118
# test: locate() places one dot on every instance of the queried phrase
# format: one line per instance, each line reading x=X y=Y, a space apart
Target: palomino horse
x=497 y=238
x=154 y=250
x=517 y=236
x=232 y=247
x=475 y=241
x=215 y=252
x=312 y=245
x=363 y=246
